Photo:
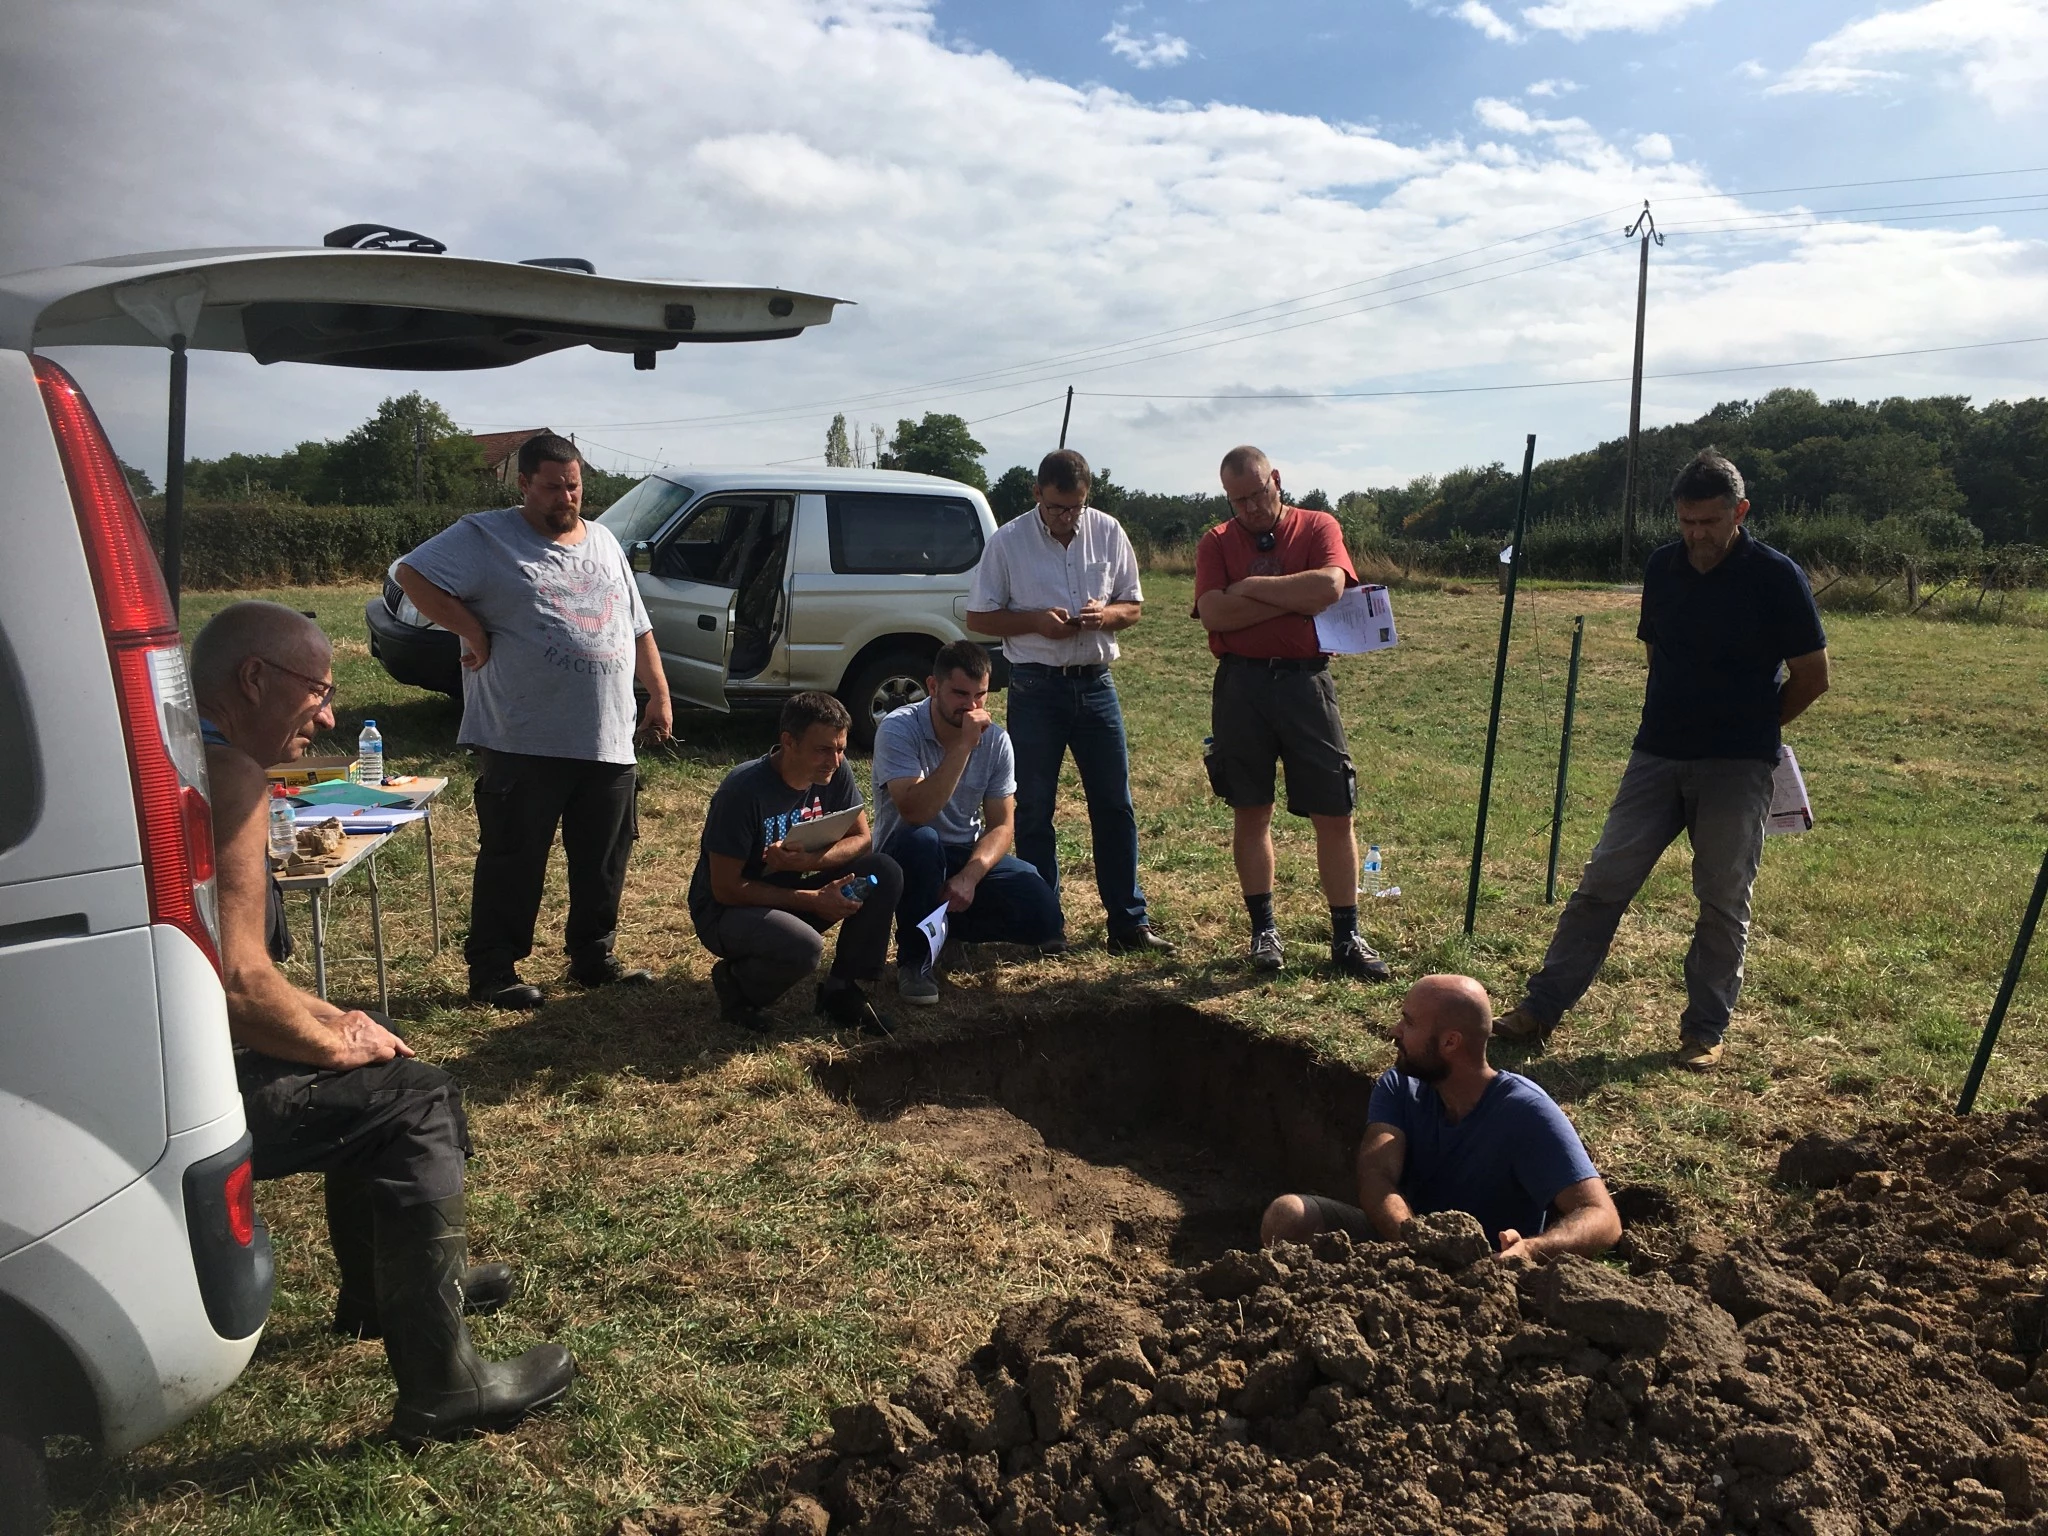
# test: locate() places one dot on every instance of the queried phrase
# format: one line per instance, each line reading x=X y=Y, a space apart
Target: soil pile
x=1880 y=1368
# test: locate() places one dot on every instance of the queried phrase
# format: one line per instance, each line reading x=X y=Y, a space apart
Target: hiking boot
x=1520 y=1026
x=1697 y=1055
x=506 y=991
x=606 y=971
x=352 y=1230
x=1352 y=956
x=848 y=1008
x=1140 y=940
x=733 y=1006
x=444 y=1387
x=1267 y=952
x=916 y=985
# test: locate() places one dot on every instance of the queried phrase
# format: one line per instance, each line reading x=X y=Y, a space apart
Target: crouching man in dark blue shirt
x=1446 y=1132
x=1724 y=618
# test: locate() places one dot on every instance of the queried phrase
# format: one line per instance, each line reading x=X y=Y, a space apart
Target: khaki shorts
x=1260 y=716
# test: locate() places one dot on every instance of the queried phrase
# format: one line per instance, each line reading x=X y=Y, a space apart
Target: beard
x=1431 y=1069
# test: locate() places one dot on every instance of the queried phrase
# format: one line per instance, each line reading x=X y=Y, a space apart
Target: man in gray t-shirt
x=554 y=636
x=945 y=794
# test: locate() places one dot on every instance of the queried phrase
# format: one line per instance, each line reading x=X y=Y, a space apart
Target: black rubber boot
x=352 y=1229
x=444 y=1387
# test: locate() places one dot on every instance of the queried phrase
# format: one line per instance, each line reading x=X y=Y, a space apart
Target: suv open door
x=403 y=310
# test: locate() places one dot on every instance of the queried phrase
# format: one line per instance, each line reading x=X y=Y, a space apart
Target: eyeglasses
x=1068 y=507
x=325 y=690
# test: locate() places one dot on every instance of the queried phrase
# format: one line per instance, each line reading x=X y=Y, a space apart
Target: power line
x=1622 y=378
x=1840 y=186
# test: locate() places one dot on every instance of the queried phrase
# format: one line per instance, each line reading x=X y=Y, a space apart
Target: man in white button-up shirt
x=1057 y=584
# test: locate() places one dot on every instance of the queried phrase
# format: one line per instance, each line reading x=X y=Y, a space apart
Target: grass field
x=728 y=1251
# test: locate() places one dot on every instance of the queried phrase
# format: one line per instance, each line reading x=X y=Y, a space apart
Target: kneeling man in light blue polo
x=945 y=795
x=1446 y=1132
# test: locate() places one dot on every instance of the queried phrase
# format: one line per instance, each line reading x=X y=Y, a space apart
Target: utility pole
x=1066 y=415
x=1646 y=228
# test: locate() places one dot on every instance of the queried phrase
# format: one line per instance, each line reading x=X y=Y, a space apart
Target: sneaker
x=1522 y=1027
x=606 y=971
x=1697 y=1055
x=1267 y=953
x=916 y=985
x=848 y=1008
x=733 y=1006
x=1352 y=956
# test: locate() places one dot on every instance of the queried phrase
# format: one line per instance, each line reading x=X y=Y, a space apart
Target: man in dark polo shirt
x=1721 y=615
x=1260 y=580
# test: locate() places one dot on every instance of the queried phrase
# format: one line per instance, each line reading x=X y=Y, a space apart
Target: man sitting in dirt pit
x=1445 y=1132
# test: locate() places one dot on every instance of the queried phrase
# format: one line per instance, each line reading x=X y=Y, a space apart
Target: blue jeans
x=1050 y=713
x=1720 y=804
x=1012 y=905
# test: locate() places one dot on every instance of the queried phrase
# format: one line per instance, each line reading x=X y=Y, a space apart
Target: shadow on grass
x=1569 y=1079
x=87 y=1485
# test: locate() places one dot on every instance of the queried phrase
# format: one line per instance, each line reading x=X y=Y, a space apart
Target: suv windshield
x=641 y=513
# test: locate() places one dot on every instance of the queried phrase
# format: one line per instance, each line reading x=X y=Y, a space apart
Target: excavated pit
x=1162 y=1130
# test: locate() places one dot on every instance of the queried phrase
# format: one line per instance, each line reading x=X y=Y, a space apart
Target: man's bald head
x=1454 y=1005
x=1246 y=460
x=269 y=631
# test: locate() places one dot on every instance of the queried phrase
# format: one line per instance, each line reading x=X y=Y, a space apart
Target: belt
x=1277 y=663
x=1079 y=669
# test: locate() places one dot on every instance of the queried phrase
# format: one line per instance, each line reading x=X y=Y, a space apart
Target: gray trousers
x=1720 y=803
x=770 y=950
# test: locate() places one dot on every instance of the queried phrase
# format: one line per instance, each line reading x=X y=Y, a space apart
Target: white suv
x=135 y=1275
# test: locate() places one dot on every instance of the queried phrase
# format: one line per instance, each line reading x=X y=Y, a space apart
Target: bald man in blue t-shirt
x=1446 y=1132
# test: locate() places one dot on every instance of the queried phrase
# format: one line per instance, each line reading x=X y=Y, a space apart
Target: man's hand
x=1514 y=1246
x=360 y=1041
x=829 y=904
x=476 y=649
x=783 y=860
x=657 y=721
x=959 y=891
x=973 y=723
x=1055 y=623
x=1090 y=616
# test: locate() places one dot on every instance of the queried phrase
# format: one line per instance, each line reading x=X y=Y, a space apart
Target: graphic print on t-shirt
x=775 y=828
x=586 y=599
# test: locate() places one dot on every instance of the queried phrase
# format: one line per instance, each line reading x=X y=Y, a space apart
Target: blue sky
x=1006 y=189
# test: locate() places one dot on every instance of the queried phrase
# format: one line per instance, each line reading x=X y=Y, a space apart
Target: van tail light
x=238 y=1190
x=166 y=758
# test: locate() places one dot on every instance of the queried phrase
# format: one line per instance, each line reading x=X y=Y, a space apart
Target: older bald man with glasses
x=1057 y=584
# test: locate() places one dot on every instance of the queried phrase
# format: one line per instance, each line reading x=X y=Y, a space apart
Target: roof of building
x=500 y=446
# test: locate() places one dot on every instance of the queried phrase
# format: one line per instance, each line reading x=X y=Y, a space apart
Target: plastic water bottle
x=284 y=826
x=859 y=888
x=369 y=767
x=1369 y=876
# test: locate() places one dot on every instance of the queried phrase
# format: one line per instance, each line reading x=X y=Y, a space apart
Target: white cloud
x=1474 y=13
x=1654 y=146
x=1579 y=19
x=1750 y=69
x=1553 y=88
x=1162 y=50
x=981 y=217
x=1996 y=49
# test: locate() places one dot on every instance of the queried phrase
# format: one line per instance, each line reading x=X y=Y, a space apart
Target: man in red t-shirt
x=1260 y=579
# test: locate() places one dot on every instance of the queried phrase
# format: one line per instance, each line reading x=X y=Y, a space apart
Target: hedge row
x=235 y=544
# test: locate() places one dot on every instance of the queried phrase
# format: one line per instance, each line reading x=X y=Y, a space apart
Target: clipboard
x=820 y=832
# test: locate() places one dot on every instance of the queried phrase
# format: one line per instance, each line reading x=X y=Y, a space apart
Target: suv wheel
x=890 y=681
x=24 y=1477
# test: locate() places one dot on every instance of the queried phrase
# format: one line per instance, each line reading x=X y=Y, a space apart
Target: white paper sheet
x=1790 y=809
x=1361 y=620
x=934 y=930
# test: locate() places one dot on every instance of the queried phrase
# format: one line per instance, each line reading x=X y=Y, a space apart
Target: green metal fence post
x=2005 y=991
x=1500 y=676
x=1564 y=759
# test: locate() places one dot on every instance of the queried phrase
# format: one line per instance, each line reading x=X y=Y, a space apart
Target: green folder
x=342 y=792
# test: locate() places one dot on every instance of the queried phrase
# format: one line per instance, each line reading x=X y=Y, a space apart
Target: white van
x=135 y=1274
